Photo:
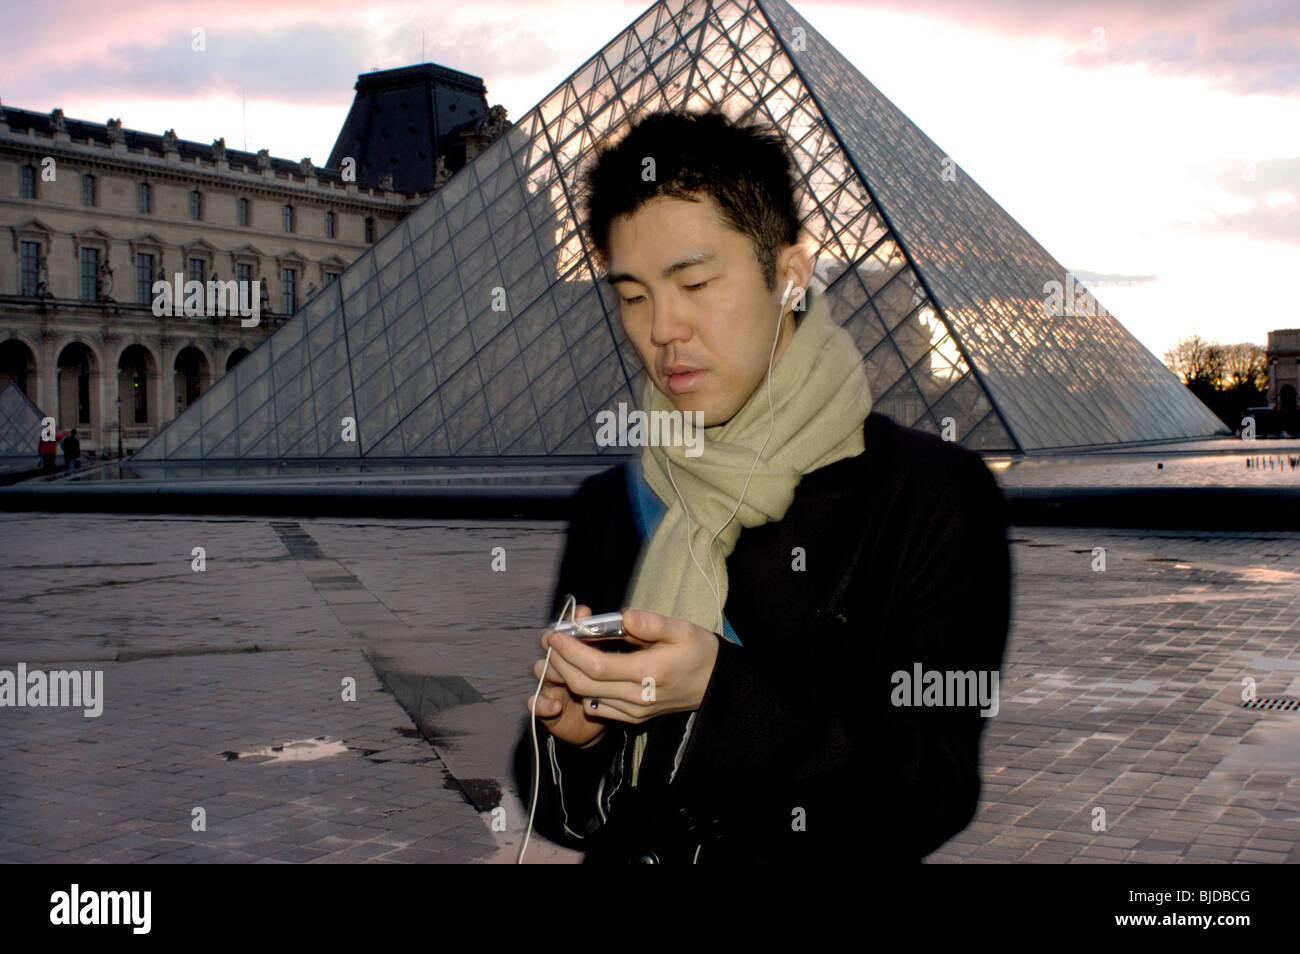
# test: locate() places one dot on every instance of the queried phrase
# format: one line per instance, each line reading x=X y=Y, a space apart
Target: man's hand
x=670 y=675
x=560 y=710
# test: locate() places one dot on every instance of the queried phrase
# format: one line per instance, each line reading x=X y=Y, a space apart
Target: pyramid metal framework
x=20 y=426
x=478 y=327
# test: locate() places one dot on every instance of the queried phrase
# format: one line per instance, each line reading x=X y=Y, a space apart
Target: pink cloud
x=1242 y=47
x=305 y=51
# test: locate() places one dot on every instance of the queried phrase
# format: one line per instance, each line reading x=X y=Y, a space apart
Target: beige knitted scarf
x=820 y=396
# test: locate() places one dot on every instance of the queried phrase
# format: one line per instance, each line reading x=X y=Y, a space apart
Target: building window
x=28 y=182
x=244 y=275
x=87 y=190
x=196 y=270
x=29 y=271
x=288 y=291
x=196 y=205
x=330 y=277
x=370 y=229
x=242 y=208
x=144 y=198
x=143 y=278
x=141 y=392
x=89 y=274
x=329 y=224
x=288 y=218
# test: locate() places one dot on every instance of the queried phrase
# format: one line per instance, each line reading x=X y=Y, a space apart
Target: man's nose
x=668 y=322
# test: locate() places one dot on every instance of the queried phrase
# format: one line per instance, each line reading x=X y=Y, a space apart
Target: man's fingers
x=610 y=707
x=646 y=625
x=546 y=708
x=552 y=674
x=614 y=687
x=578 y=661
x=550 y=703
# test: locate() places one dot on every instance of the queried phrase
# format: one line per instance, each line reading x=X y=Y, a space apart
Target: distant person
x=48 y=450
x=72 y=451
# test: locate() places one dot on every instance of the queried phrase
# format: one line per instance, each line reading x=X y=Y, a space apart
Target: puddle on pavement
x=1244 y=574
x=298 y=750
x=1259 y=574
x=1272 y=744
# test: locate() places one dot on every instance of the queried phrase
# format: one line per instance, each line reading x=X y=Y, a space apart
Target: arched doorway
x=236 y=356
x=135 y=374
x=17 y=364
x=192 y=376
x=76 y=364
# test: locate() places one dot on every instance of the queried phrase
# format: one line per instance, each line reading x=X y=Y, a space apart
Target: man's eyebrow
x=698 y=259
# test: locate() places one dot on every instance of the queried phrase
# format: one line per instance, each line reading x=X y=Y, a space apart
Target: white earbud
x=789 y=286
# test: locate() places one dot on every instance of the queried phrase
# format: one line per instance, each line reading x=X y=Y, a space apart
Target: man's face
x=693 y=304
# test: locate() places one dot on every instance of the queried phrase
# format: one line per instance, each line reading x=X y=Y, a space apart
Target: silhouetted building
x=418 y=124
x=1283 y=357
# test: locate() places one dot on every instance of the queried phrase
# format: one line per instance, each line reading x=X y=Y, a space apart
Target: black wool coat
x=797 y=752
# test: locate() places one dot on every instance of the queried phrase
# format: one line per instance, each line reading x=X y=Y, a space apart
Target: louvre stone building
x=95 y=213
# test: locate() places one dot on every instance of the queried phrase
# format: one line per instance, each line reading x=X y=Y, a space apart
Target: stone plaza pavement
x=225 y=691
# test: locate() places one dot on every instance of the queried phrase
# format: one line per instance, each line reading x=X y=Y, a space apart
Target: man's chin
x=713 y=416
x=694 y=401
x=688 y=404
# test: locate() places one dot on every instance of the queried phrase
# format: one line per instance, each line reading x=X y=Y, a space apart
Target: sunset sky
x=1157 y=146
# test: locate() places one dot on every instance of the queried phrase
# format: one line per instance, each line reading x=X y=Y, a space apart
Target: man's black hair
x=745 y=167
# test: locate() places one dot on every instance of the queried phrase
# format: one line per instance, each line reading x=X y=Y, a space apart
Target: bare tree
x=1197 y=362
x=1245 y=365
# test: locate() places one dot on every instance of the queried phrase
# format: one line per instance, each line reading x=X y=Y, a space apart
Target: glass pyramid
x=20 y=427
x=478 y=326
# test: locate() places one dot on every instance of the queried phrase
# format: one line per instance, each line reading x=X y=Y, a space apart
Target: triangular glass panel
x=20 y=424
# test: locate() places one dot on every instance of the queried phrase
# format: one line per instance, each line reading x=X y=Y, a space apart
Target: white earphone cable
x=570 y=603
x=570 y=608
x=714 y=585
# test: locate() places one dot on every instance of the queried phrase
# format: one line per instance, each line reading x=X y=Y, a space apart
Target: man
x=776 y=583
x=71 y=452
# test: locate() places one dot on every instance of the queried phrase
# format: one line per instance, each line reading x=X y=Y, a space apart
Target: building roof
x=402 y=120
x=82 y=131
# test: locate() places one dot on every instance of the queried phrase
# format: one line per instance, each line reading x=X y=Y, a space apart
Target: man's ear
x=795 y=262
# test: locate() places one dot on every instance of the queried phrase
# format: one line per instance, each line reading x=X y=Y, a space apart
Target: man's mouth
x=683 y=380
